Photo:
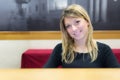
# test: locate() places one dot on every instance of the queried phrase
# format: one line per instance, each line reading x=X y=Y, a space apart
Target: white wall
x=11 y=50
x=43 y=43
x=113 y=43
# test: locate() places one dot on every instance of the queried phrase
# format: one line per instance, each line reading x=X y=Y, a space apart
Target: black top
x=105 y=59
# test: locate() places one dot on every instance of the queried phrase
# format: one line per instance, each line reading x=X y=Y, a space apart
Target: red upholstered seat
x=117 y=54
x=36 y=58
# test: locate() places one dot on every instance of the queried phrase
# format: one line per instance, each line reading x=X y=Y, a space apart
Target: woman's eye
x=67 y=26
x=77 y=21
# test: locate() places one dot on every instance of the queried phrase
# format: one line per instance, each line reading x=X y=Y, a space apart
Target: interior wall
x=113 y=43
x=10 y=52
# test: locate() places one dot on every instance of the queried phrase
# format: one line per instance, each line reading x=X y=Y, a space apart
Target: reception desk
x=60 y=74
x=36 y=58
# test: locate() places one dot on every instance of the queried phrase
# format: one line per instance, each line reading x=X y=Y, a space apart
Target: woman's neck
x=80 y=43
x=80 y=46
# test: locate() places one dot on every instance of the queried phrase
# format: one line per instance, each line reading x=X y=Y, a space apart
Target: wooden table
x=60 y=74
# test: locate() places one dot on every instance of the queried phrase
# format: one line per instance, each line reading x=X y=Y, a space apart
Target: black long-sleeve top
x=105 y=59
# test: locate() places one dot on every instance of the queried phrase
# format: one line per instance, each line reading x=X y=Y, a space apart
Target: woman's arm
x=110 y=59
x=55 y=58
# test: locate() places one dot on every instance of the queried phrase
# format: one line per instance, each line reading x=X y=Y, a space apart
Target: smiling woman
x=78 y=48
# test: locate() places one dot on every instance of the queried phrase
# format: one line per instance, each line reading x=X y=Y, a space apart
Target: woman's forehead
x=72 y=18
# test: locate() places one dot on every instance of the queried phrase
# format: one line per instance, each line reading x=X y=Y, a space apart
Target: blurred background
x=44 y=15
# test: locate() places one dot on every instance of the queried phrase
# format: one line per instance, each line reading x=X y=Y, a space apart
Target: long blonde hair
x=68 y=43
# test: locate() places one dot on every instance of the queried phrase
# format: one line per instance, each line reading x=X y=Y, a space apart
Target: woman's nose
x=74 y=27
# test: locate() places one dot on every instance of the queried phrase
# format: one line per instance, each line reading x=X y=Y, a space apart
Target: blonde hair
x=68 y=43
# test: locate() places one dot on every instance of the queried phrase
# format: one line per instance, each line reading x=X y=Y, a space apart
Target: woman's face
x=77 y=28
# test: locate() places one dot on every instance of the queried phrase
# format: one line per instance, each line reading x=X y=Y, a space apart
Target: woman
x=78 y=49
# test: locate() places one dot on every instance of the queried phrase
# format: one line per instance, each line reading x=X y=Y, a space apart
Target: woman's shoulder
x=103 y=46
x=58 y=47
